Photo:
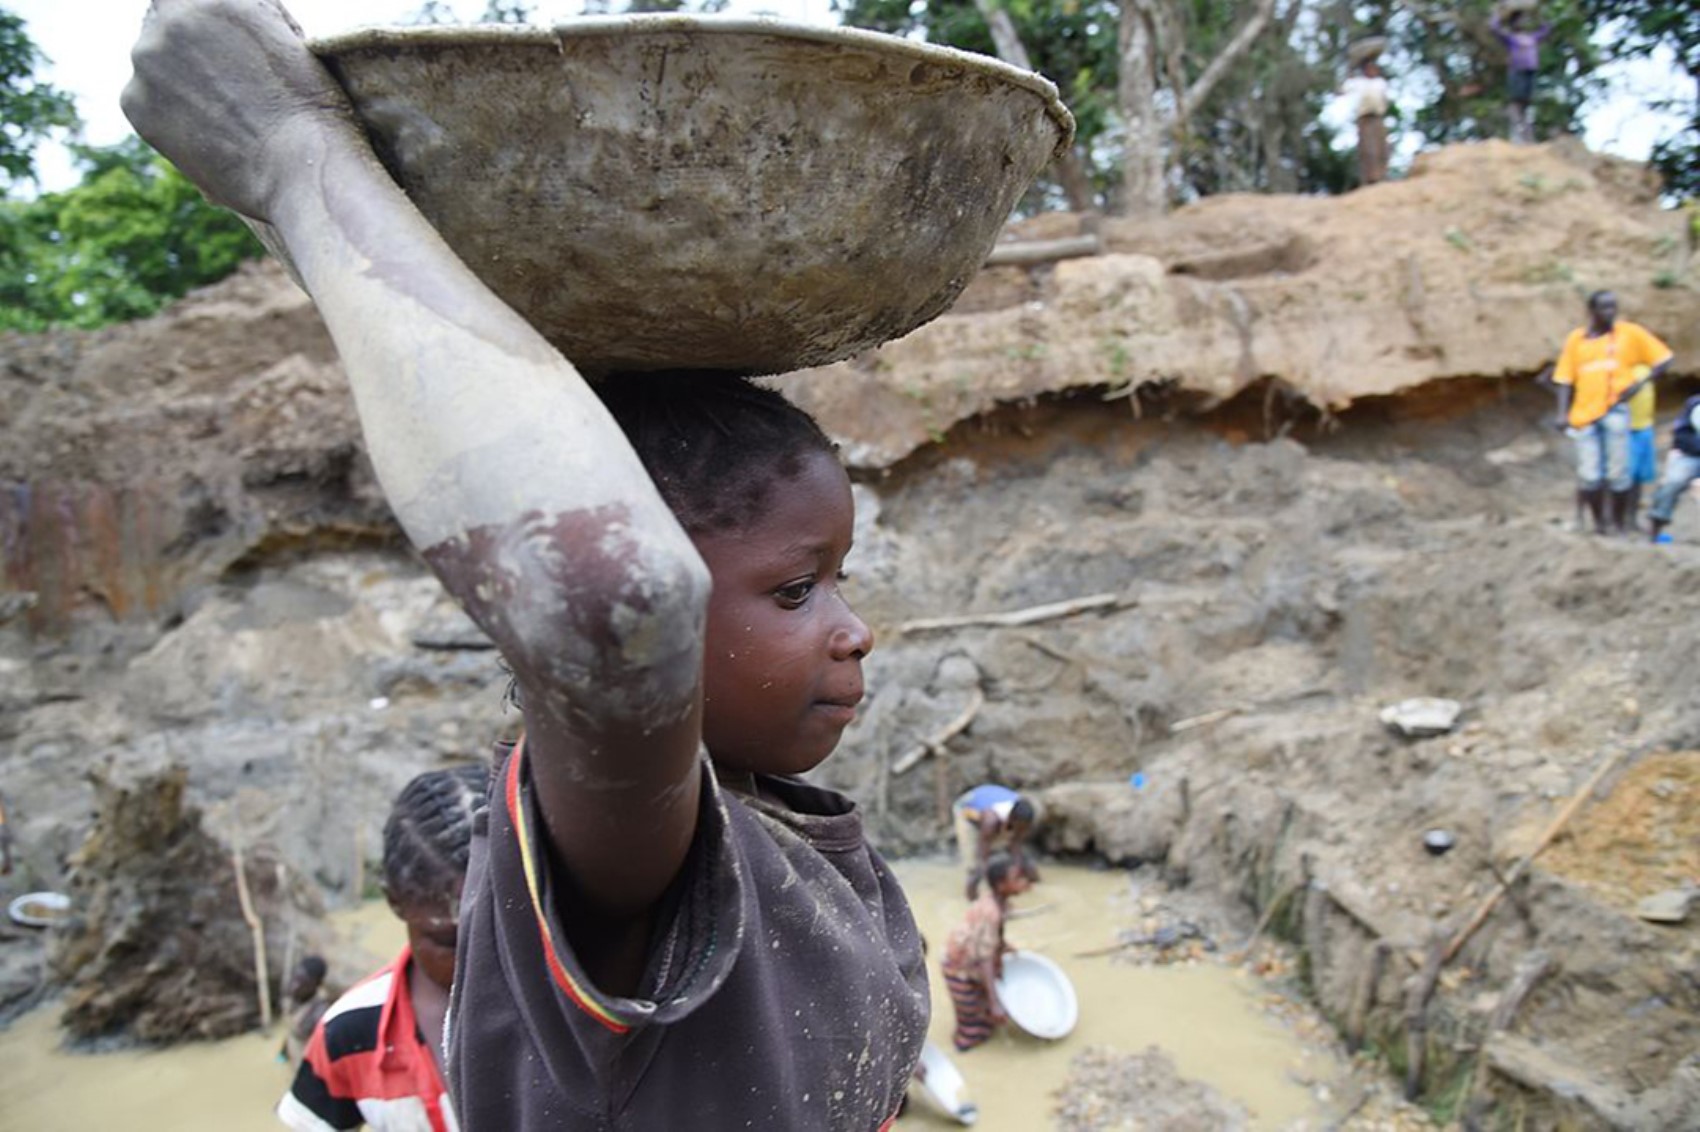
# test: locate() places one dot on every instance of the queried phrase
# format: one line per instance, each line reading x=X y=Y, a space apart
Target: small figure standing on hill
x=973 y=955
x=1523 y=48
x=1682 y=468
x=375 y=1059
x=992 y=817
x=1595 y=378
x=1366 y=89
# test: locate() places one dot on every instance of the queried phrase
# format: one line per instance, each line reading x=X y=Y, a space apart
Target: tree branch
x=1226 y=58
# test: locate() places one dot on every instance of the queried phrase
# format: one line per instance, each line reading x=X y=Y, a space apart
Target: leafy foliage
x=1258 y=130
x=132 y=236
x=30 y=111
x=1643 y=26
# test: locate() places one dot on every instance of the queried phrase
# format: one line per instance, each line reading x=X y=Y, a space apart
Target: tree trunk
x=1071 y=171
x=1143 y=161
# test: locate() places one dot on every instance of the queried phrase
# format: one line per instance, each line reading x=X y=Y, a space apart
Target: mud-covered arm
x=499 y=461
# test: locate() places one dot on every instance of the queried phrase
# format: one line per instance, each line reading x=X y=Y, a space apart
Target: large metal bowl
x=659 y=192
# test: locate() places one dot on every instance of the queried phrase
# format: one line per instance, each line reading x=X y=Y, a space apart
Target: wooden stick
x=1529 y=971
x=1516 y=871
x=936 y=741
x=1270 y=911
x=1204 y=720
x=1026 y=253
x=1048 y=612
x=1419 y=990
x=1363 y=995
x=288 y=967
x=262 y=976
x=359 y=876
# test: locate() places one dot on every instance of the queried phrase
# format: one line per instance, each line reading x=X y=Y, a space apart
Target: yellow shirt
x=1644 y=406
x=1599 y=369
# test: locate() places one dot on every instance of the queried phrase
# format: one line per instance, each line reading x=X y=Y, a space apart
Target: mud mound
x=157 y=948
x=1473 y=266
x=1642 y=839
x=1109 y=1091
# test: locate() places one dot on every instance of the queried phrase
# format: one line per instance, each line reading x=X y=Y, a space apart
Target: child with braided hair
x=662 y=926
x=375 y=1057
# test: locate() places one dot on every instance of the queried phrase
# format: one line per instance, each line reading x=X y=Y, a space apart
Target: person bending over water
x=375 y=1057
x=649 y=938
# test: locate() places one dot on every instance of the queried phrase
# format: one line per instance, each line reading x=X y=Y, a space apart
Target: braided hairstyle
x=428 y=837
x=716 y=444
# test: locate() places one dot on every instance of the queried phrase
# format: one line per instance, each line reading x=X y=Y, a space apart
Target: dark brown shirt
x=786 y=990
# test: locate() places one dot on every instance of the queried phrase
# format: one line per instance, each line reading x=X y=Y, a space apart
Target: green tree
x=30 y=111
x=131 y=237
x=1640 y=28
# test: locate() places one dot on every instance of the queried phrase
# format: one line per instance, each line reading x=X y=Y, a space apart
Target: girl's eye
x=795 y=593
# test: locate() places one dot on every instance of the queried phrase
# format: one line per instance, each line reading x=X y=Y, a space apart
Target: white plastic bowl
x=666 y=192
x=1038 y=996
x=944 y=1085
x=39 y=909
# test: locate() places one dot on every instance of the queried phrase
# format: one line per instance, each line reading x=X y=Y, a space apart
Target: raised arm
x=499 y=461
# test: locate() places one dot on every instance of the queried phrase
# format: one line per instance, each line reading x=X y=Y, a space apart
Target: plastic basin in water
x=1038 y=996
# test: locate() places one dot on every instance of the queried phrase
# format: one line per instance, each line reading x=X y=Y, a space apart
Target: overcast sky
x=88 y=43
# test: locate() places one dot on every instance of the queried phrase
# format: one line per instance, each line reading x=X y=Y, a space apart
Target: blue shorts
x=1643 y=456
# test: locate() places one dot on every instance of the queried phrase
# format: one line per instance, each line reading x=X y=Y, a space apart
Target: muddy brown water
x=1207 y=1018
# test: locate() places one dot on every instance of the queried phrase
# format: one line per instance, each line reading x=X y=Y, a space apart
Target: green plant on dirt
x=1460 y=239
x=131 y=237
x=1552 y=271
x=1666 y=279
x=1118 y=356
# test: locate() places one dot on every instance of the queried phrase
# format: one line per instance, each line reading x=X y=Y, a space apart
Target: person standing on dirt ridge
x=1523 y=50
x=1366 y=90
x=1595 y=379
x=1682 y=468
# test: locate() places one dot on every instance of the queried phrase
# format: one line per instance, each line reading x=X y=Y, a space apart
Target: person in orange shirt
x=1596 y=380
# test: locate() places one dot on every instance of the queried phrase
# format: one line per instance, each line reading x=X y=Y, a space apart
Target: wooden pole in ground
x=934 y=743
x=257 y=929
x=1014 y=617
x=1485 y=909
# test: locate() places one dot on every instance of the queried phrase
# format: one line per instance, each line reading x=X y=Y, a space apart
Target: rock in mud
x=1423 y=717
x=1669 y=907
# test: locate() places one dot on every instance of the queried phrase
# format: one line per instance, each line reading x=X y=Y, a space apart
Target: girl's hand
x=229 y=92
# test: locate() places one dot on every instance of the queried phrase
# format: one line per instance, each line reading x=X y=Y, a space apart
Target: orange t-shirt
x=1600 y=369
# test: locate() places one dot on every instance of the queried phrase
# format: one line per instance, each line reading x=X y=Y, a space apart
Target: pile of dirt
x=1473 y=266
x=1642 y=838
x=158 y=947
x=1110 y=1091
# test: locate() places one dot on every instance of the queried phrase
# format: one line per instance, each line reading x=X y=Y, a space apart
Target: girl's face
x=431 y=933
x=782 y=673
